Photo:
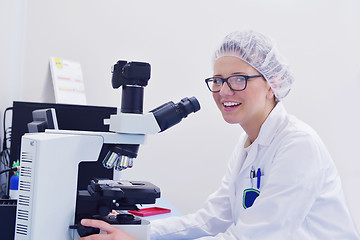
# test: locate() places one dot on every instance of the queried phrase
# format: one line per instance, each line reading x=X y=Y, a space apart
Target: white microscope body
x=48 y=180
x=49 y=161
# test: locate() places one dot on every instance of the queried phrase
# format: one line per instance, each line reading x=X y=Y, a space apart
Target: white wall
x=319 y=38
x=12 y=23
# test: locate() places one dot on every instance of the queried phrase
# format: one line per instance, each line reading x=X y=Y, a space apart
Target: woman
x=281 y=182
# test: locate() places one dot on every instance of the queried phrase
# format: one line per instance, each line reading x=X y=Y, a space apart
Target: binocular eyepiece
x=169 y=114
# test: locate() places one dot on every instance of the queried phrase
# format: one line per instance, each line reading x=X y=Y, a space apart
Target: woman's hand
x=113 y=233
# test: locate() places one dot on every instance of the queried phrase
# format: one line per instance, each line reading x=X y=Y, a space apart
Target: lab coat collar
x=271 y=125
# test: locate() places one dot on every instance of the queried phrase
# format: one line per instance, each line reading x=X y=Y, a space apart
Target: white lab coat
x=300 y=191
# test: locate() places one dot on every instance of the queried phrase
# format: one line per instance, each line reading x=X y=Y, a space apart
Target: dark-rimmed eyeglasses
x=235 y=82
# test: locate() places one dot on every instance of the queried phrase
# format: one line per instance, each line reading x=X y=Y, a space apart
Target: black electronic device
x=130 y=73
x=7 y=218
x=69 y=117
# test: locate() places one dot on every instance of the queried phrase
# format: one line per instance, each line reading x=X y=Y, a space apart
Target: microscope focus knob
x=84 y=231
x=125 y=218
x=104 y=210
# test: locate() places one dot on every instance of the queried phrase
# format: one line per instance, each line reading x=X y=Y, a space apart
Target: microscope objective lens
x=110 y=160
x=123 y=162
x=131 y=162
x=105 y=161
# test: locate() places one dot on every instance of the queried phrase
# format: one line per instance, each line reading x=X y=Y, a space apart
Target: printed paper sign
x=68 y=81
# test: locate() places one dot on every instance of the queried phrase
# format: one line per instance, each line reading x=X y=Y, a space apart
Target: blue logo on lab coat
x=249 y=197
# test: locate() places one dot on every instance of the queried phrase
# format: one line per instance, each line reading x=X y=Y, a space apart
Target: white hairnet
x=260 y=52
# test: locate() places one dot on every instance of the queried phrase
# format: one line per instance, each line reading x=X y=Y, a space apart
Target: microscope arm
x=134 y=123
x=108 y=137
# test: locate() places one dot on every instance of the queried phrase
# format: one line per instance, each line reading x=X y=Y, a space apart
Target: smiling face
x=249 y=107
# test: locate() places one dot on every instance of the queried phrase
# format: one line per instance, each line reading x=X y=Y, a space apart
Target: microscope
x=51 y=207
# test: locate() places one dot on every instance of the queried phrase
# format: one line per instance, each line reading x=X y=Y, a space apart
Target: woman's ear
x=270 y=93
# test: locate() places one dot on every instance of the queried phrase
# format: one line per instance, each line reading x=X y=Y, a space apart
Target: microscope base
x=141 y=232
